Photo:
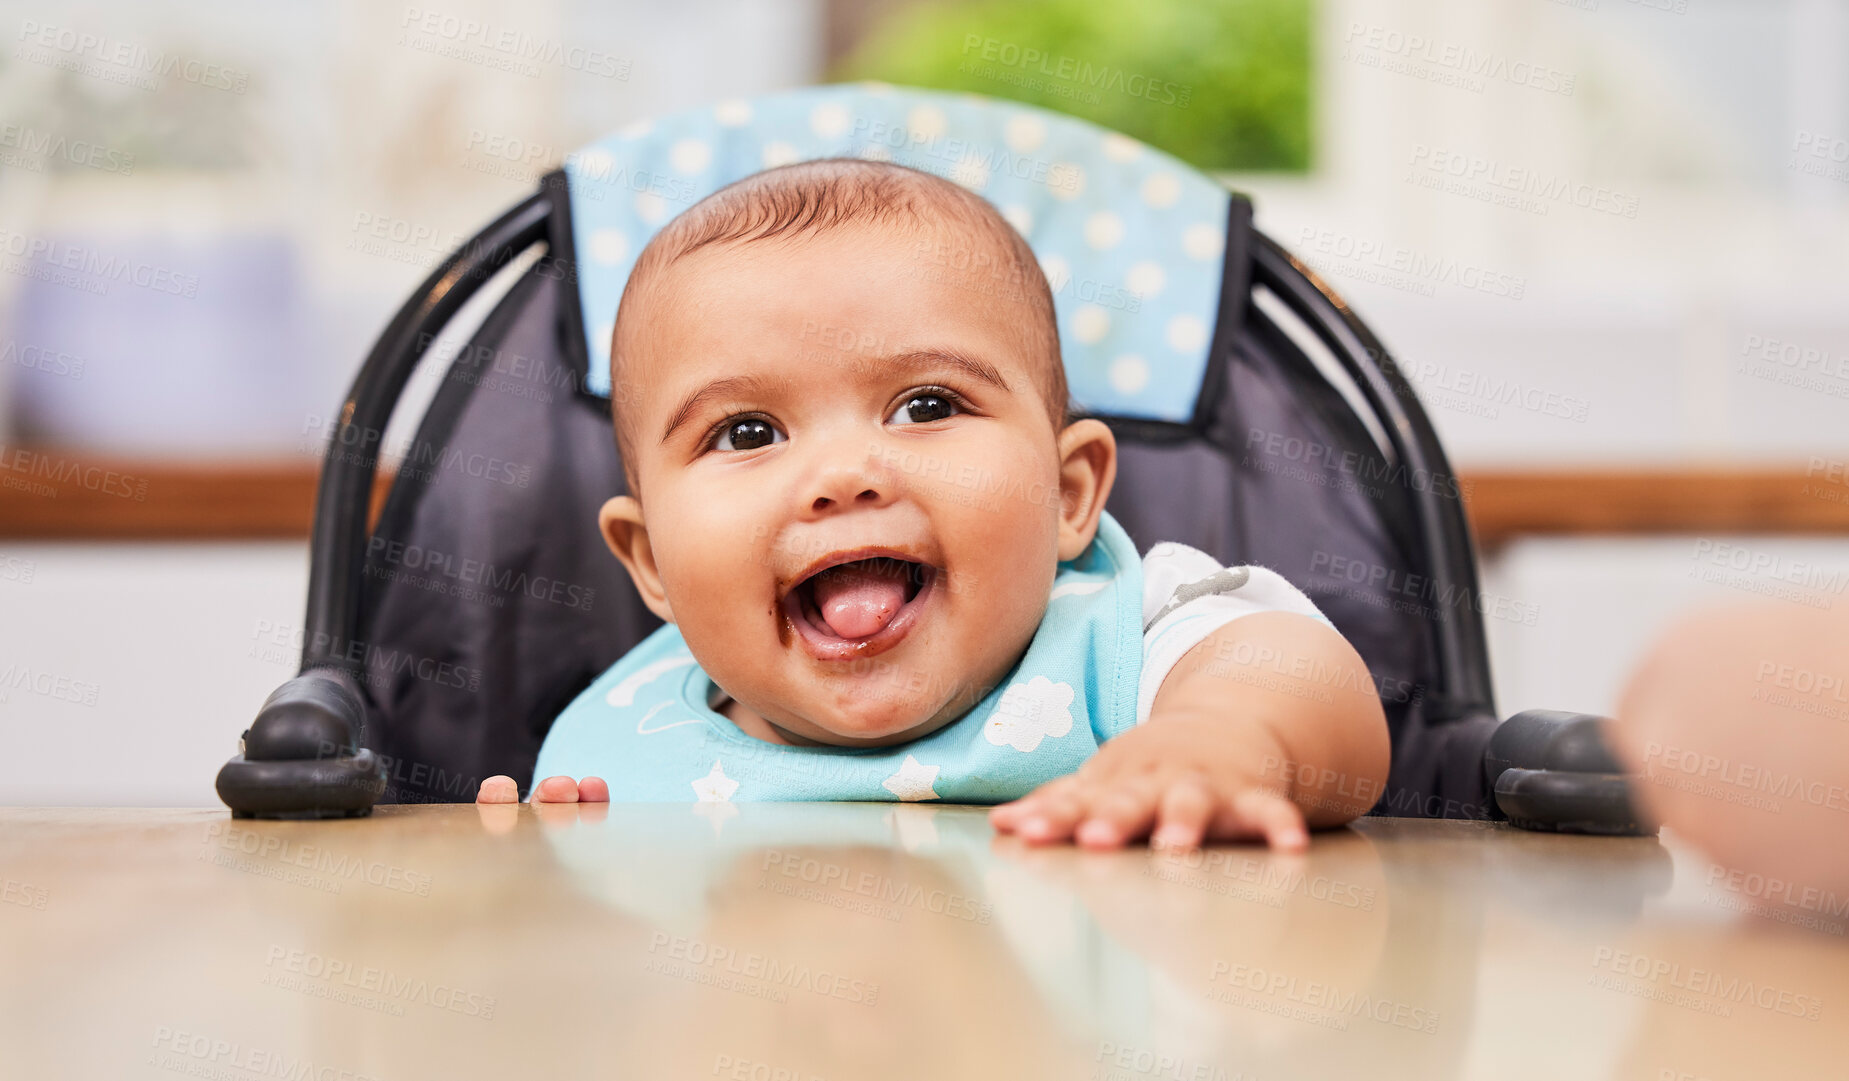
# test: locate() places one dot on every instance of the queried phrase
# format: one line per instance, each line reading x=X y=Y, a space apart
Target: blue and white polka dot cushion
x=1130 y=238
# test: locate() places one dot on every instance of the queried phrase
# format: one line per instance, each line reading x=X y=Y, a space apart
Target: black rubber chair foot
x=303 y=788
x=1567 y=801
x=1553 y=771
x=301 y=757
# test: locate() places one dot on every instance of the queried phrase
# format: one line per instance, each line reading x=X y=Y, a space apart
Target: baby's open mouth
x=859 y=607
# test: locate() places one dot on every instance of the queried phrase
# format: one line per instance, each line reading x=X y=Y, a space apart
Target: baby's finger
x=498 y=789
x=1054 y=818
x=1007 y=816
x=1120 y=813
x=556 y=790
x=1272 y=817
x=593 y=790
x=1187 y=811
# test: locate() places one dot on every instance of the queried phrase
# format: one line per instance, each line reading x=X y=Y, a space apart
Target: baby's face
x=794 y=406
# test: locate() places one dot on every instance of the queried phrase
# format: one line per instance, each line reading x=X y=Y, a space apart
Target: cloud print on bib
x=1030 y=712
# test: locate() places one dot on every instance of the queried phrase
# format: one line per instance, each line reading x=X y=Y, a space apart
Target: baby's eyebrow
x=762 y=386
x=740 y=385
x=917 y=359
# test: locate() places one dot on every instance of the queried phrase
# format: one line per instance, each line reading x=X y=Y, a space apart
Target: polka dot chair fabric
x=1131 y=239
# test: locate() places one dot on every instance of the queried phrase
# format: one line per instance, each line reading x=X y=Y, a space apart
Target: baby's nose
x=868 y=496
x=846 y=474
x=849 y=482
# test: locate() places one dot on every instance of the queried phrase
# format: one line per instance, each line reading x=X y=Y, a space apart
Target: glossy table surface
x=846 y=941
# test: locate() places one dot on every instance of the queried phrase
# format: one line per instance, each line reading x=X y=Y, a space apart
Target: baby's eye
x=924 y=407
x=747 y=433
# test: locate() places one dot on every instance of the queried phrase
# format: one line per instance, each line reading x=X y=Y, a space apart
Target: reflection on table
x=843 y=941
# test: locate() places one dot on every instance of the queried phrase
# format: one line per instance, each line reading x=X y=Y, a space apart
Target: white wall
x=1592 y=606
x=127 y=671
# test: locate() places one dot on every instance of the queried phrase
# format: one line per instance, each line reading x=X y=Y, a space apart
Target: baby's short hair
x=814 y=197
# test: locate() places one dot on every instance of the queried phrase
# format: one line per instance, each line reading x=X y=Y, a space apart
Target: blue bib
x=646 y=725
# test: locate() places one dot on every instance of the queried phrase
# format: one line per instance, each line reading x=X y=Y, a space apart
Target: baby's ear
x=1087 y=468
x=624 y=531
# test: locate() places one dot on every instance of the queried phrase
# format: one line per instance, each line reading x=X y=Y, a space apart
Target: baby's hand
x=1178 y=782
x=501 y=789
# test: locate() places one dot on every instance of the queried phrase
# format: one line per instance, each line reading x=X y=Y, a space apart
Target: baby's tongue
x=857 y=600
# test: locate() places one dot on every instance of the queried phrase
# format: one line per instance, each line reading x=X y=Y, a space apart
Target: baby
x=879 y=542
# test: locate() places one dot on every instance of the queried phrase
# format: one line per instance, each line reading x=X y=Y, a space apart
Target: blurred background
x=208 y=211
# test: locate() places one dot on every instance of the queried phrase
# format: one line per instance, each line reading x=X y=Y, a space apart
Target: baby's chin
x=854 y=729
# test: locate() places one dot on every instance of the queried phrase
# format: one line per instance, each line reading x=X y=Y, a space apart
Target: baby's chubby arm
x=502 y=789
x=1269 y=725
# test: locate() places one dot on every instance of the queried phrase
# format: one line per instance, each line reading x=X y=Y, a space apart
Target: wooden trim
x=1504 y=505
x=48 y=495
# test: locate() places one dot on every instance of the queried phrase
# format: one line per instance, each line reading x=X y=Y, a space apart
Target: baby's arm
x=1268 y=724
x=502 y=789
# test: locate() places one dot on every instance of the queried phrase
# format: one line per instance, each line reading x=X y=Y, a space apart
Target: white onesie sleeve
x=1188 y=594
